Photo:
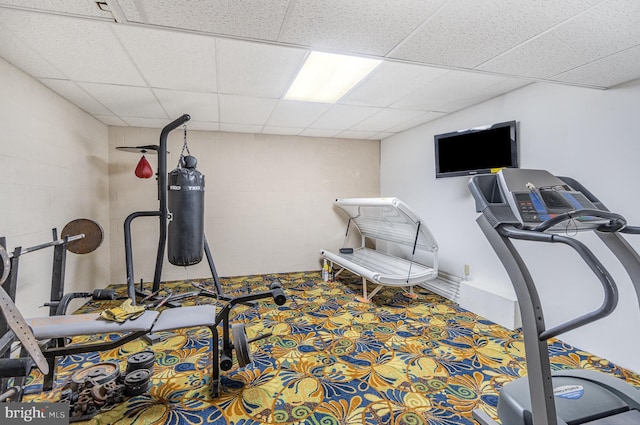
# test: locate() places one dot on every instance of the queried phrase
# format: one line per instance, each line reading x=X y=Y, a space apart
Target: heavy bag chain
x=181 y=162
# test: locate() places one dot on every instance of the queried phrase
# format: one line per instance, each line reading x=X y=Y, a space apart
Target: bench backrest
x=388 y=219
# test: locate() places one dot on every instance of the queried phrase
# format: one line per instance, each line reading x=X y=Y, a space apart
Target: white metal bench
x=391 y=221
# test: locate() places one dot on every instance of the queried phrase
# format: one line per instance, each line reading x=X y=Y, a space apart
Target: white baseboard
x=495 y=307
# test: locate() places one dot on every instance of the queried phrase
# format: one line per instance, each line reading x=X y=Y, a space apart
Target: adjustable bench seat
x=390 y=221
x=53 y=327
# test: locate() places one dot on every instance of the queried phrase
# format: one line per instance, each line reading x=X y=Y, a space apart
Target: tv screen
x=476 y=150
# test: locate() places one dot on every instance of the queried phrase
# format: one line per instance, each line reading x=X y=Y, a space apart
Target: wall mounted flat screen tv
x=476 y=150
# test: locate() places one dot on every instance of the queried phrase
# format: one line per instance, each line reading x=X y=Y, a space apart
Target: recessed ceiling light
x=326 y=77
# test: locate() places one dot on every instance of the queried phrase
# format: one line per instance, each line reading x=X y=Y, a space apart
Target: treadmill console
x=537 y=195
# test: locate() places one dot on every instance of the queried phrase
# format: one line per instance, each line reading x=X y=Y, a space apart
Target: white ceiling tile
x=607 y=72
x=350 y=134
x=386 y=119
x=450 y=87
x=244 y=18
x=203 y=125
x=369 y=27
x=245 y=110
x=287 y=131
x=228 y=63
x=200 y=106
x=83 y=50
x=428 y=116
x=257 y=69
x=466 y=33
x=383 y=135
x=292 y=113
x=343 y=117
x=82 y=8
x=608 y=28
x=240 y=128
x=170 y=59
x=483 y=93
x=18 y=53
x=126 y=101
x=110 y=120
x=319 y=132
x=390 y=82
x=76 y=95
x=145 y=122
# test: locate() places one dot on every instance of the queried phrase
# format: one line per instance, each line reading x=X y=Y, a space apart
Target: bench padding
x=87 y=324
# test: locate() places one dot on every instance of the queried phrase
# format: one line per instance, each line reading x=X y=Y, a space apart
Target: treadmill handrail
x=609 y=286
x=631 y=230
x=616 y=222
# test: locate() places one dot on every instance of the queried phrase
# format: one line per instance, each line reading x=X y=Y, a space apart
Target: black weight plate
x=101 y=373
x=141 y=360
x=240 y=344
x=137 y=377
x=92 y=231
x=137 y=382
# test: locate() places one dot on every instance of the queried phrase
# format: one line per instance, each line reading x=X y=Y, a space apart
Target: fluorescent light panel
x=326 y=77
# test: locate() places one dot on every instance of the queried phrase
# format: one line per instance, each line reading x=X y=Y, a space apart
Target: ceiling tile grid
x=391 y=82
x=17 y=52
x=76 y=95
x=357 y=26
x=126 y=101
x=343 y=117
x=80 y=8
x=229 y=63
x=293 y=113
x=245 y=110
x=257 y=69
x=82 y=50
x=170 y=59
x=385 y=119
x=200 y=106
x=466 y=33
x=609 y=71
x=256 y=19
x=608 y=28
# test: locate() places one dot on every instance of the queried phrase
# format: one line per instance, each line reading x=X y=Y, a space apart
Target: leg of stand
x=215 y=363
x=57 y=276
x=49 y=378
x=214 y=273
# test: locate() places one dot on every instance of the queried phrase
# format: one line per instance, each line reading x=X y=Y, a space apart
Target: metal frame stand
x=162 y=215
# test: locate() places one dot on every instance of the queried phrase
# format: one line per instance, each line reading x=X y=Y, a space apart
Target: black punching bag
x=185 y=200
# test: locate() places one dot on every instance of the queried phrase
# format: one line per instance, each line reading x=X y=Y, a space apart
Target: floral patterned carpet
x=330 y=360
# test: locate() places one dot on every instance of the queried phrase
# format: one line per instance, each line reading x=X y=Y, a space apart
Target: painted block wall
x=53 y=158
x=268 y=199
x=590 y=135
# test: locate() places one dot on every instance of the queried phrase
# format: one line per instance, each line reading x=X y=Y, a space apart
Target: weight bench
x=53 y=327
x=390 y=221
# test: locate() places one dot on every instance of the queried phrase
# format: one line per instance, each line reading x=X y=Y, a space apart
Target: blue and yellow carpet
x=331 y=360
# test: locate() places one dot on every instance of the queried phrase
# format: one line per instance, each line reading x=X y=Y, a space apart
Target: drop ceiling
x=228 y=63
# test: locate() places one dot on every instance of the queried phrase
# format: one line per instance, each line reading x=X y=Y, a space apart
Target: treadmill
x=534 y=205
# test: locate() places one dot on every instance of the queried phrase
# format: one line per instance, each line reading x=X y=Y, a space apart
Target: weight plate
x=141 y=360
x=5 y=264
x=19 y=327
x=100 y=373
x=92 y=231
x=137 y=382
x=240 y=344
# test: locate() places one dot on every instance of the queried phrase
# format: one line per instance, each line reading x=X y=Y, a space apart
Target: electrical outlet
x=467 y=271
